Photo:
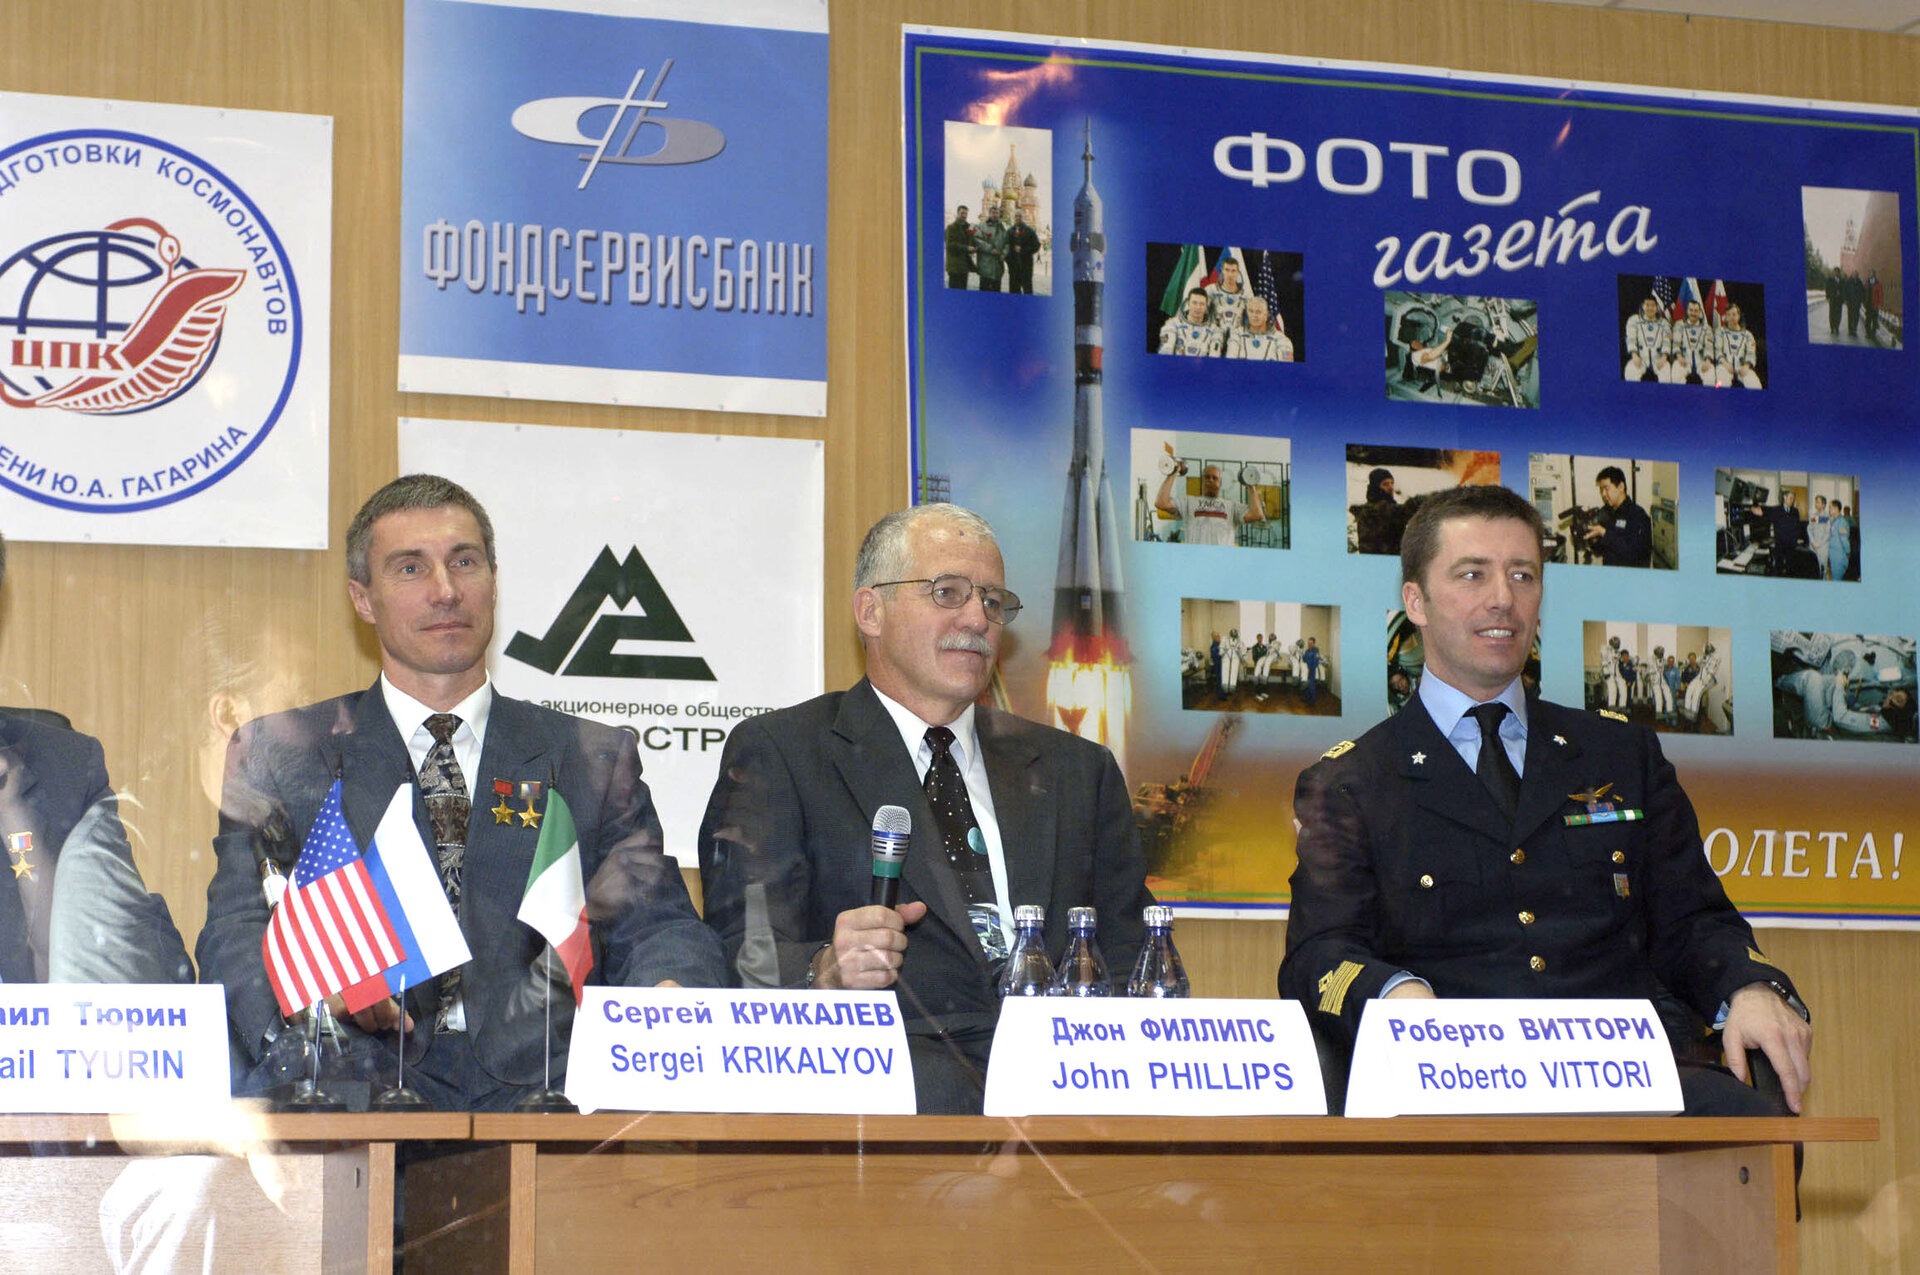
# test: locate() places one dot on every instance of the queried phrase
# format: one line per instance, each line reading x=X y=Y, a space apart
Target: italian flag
x=556 y=900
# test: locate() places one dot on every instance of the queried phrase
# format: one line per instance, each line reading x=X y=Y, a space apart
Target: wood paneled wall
x=152 y=649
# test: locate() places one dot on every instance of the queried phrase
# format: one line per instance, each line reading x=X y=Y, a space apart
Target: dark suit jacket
x=1406 y=863
x=786 y=847
x=56 y=780
x=279 y=770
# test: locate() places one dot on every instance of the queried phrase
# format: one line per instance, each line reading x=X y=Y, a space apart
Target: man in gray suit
x=420 y=562
x=1005 y=812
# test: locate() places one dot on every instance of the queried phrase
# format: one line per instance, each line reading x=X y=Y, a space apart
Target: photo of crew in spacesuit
x=1240 y=656
x=1476 y=350
x=1226 y=302
x=1676 y=678
x=1692 y=330
x=1843 y=686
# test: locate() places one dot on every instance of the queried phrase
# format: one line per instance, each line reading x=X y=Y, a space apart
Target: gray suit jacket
x=279 y=770
x=786 y=847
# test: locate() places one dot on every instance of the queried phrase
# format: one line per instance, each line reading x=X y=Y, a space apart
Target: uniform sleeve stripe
x=1333 y=988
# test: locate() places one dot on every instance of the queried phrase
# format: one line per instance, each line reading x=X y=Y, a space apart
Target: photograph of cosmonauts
x=1225 y=302
x=1680 y=330
x=1259 y=657
x=1605 y=511
x=999 y=208
x=1842 y=686
x=1853 y=267
x=1676 y=678
x=1476 y=350
x=1787 y=523
x=1212 y=489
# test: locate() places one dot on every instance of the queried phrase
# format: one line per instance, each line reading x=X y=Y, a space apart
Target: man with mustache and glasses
x=1485 y=843
x=1005 y=812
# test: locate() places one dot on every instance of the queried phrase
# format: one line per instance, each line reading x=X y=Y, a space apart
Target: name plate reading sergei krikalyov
x=112 y=1048
x=1118 y=1056
x=1512 y=1057
x=706 y=1049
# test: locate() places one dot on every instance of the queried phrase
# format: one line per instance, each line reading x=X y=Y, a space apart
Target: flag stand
x=400 y=1097
x=313 y=1098
x=547 y=1100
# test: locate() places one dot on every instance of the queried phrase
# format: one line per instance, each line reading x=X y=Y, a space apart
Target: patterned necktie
x=444 y=789
x=960 y=838
x=1495 y=768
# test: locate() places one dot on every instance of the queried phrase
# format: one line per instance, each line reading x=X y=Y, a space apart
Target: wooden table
x=284 y=1192
x=576 y=1194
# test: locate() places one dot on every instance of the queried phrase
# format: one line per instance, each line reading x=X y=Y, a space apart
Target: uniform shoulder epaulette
x=1618 y=717
x=1340 y=749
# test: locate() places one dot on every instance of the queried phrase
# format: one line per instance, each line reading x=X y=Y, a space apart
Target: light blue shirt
x=1448 y=709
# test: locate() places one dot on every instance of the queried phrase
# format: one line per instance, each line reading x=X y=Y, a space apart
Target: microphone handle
x=885 y=892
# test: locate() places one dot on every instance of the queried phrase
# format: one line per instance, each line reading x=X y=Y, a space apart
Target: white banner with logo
x=164 y=318
x=617 y=201
x=666 y=583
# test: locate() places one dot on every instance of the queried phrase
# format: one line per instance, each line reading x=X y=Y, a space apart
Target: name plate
x=1512 y=1057
x=112 y=1048
x=1059 y=1056
x=708 y=1049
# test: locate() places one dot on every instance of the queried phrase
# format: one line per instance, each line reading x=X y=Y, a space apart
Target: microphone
x=892 y=828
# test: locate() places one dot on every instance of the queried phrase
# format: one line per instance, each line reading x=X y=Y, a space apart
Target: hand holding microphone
x=870 y=943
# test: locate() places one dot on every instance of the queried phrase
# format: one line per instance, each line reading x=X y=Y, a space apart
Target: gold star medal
x=20 y=852
x=530 y=793
x=502 y=813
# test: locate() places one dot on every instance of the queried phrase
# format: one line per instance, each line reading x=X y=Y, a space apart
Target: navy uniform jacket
x=644 y=928
x=787 y=846
x=1406 y=863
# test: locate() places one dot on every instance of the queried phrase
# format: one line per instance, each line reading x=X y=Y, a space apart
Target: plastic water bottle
x=1028 y=971
x=1159 y=972
x=1083 y=971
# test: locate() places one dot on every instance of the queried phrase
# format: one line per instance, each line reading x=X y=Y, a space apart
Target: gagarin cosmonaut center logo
x=150 y=323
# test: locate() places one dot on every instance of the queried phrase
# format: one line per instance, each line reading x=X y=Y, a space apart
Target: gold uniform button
x=1518 y=856
x=1536 y=964
x=1426 y=882
x=1526 y=918
x=1619 y=856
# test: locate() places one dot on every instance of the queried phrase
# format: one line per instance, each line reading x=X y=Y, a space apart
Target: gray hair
x=410 y=491
x=884 y=555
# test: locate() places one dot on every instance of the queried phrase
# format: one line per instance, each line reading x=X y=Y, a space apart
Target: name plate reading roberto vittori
x=688 y=1049
x=1058 y=1056
x=112 y=1048
x=1512 y=1057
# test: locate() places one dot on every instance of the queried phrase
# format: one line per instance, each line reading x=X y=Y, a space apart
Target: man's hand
x=378 y=1017
x=868 y=946
x=1759 y=1018
x=1411 y=990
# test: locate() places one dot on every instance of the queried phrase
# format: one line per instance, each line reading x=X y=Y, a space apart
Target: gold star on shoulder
x=24 y=868
x=1419 y=759
x=530 y=818
x=503 y=813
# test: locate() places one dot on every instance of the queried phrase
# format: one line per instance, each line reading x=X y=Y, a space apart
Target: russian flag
x=408 y=883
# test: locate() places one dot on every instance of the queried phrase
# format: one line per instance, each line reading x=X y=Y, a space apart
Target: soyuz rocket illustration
x=1089 y=683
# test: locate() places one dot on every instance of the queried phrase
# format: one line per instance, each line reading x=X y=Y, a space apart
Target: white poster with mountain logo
x=669 y=584
x=164 y=317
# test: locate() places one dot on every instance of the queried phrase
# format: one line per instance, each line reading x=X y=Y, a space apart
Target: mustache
x=966 y=642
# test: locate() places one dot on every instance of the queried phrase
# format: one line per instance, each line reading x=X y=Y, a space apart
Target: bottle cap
x=1029 y=912
x=1157 y=915
x=1080 y=918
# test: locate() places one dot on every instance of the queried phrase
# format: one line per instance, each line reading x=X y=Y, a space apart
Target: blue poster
x=615 y=209
x=1198 y=332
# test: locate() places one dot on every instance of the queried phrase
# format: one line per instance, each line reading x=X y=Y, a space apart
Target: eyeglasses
x=953 y=592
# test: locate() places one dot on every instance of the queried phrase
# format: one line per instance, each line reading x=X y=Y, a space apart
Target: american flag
x=1264 y=286
x=1667 y=292
x=330 y=932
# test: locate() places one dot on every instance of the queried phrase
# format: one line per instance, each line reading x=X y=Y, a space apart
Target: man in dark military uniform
x=1561 y=859
x=959 y=249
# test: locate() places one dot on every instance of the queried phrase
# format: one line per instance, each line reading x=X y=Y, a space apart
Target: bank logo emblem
x=619 y=583
x=67 y=348
x=150 y=322
x=563 y=121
